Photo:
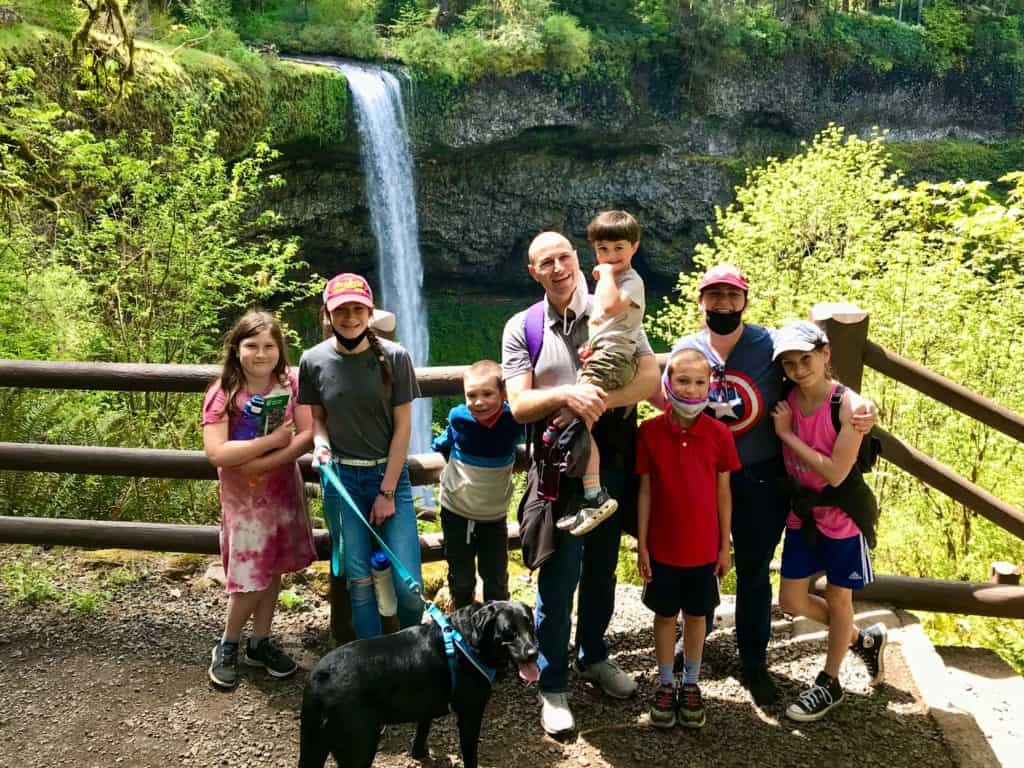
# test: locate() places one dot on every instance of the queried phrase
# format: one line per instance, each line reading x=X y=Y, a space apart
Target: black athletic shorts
x=673 y=588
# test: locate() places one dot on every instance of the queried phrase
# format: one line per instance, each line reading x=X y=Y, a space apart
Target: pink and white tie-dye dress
x=264 y=526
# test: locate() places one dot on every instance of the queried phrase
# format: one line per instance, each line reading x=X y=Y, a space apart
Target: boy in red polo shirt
x=683 y=458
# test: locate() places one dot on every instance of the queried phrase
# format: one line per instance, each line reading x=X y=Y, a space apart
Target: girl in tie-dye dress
x=265 y=529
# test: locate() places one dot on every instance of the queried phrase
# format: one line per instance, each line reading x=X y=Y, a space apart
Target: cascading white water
x=387 y=164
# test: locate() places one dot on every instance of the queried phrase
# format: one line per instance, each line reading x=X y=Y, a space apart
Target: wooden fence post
x=847 y=329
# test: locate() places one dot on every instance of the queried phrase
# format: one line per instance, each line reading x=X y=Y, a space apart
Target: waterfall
x=387 y=165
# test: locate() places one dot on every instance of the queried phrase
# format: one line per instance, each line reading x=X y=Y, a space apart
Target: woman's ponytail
x=378 y=352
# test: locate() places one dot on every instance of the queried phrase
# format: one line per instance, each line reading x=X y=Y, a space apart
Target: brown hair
x=687 y=352
x=614 y=225
x=378 y=352
x=485 y=368
x=232 y=377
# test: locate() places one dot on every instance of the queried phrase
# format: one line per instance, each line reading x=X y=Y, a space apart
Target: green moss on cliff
x=950 y=159
x=296 y=103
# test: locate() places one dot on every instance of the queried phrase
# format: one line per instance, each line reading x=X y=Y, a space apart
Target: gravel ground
x=125 y=685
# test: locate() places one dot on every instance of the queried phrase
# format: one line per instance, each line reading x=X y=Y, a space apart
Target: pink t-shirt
x=817 y=432
x=264 y=529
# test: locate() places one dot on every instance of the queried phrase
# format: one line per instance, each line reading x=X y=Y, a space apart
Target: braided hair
x=378 y=352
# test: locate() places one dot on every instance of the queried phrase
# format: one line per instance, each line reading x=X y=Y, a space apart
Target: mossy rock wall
x=292 y=103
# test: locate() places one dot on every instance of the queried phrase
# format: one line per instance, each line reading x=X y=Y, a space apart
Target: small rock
x=215 y=573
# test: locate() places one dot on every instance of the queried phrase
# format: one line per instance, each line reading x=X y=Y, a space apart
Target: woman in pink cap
x=361 y=388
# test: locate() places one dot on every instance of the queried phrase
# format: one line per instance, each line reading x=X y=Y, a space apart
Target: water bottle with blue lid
x=383 y=584
x=248 y=425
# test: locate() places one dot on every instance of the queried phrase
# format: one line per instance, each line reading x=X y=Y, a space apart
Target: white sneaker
x=610 y=677
x=555 y=715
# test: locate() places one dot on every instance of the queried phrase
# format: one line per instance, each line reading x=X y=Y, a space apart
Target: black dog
x=405 y=678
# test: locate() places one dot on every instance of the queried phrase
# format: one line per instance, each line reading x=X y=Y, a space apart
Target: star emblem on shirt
x=724 y=409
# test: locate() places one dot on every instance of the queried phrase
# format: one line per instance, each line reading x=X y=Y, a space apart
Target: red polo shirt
x=684 y=465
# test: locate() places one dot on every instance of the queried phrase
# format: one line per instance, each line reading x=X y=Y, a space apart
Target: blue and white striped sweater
x=477 y=481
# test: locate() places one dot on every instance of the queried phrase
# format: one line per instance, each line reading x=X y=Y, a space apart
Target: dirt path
x=125 y=685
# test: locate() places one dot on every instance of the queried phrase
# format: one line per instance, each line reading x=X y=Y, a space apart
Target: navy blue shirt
x=744 y=390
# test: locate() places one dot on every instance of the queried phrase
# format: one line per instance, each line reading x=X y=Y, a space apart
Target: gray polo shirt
x=360 y=420
x=558 y=362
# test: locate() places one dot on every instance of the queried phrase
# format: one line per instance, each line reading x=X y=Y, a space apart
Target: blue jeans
x=399 y=533
x=588 y=561
x=759 y=510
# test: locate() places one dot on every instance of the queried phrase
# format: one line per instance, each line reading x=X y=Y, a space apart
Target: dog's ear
x=482 y=623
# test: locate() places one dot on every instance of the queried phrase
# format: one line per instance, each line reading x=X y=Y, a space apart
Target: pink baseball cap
x=347 y=287
x=724 y=274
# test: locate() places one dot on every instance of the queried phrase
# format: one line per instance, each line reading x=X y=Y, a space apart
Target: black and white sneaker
x=870 y=648
x=266 y=654
x=594 y=512
x=814 y=703
x=223 y=669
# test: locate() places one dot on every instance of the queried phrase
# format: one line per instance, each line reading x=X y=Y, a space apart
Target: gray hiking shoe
x=267 y=655
x=223 y=670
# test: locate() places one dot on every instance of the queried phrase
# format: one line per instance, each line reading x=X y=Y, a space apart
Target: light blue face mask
x=683 y=406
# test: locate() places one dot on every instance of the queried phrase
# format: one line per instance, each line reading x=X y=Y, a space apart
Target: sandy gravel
x=125 y=685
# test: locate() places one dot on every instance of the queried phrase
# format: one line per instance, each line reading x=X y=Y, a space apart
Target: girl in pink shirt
x=816 y=456
x=265 y=530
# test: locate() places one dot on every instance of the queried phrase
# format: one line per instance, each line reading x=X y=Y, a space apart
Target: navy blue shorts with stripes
x=846 y=562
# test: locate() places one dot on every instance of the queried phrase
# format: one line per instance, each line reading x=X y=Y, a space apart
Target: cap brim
x=735 y=282
x=336 y=301
x=795 y=346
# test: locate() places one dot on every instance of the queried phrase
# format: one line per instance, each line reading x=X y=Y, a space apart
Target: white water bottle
x=383 y=584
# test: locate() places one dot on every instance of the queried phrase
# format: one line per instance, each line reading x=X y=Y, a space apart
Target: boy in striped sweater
x=479 y=445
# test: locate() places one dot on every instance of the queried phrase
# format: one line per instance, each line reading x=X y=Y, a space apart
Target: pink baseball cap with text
x=724 y=274
x=347 y=287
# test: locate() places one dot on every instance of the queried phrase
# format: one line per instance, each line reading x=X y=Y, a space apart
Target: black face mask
x=349 y=344
x=723 y=323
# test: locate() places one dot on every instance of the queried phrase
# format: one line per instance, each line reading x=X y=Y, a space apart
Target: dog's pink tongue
x=529 y=672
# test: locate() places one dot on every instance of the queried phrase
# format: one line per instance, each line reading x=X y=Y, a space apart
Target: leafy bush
x=948 y=36
x=28 y=585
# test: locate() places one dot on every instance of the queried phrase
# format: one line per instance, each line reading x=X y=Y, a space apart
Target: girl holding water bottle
x=265 y=529
x=360 y=389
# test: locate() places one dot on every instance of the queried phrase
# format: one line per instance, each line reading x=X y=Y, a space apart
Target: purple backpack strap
x=533 y=325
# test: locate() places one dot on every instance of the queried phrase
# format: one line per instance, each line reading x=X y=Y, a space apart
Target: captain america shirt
x=744 y=390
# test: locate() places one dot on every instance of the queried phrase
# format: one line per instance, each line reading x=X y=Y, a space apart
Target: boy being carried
x=684 y=458
x=609 y=358
x=479 y=445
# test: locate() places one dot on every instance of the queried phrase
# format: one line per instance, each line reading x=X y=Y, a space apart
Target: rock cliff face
x=505 y=159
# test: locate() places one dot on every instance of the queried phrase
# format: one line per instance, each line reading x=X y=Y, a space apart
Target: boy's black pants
x=487 y=543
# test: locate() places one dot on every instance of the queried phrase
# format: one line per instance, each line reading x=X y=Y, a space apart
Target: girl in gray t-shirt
x=361 y=388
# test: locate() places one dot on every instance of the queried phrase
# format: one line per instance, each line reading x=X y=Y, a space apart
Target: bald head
x=545 y=242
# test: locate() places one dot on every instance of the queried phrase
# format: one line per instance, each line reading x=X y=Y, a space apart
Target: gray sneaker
x=223 y=669
x=267 y=655
x=610 y=678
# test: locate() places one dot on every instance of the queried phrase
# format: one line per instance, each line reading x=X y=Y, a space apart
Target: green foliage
x=290 y=600
x=146 y=239
x=59 y=15
x=952 y=159
x=84 y=602
x=948 y=36
x=339 y=27
x=938 y=266
x=28 y=585
x=879 y=42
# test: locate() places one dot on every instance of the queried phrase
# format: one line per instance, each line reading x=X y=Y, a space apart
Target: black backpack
x=870 y=446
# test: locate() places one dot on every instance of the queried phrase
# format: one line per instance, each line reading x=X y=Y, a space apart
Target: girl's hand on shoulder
x=643 y=565
x=864 y=416
x=782 y=415
x=382 y=509
x=722 y=566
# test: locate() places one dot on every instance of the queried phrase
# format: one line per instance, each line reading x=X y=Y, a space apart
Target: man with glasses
x=538 y=388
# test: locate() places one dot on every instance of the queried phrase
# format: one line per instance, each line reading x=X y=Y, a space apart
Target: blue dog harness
x=452 y=637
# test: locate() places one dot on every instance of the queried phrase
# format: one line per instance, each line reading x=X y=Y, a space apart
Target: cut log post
x=1003 y=572
x=847 y=329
